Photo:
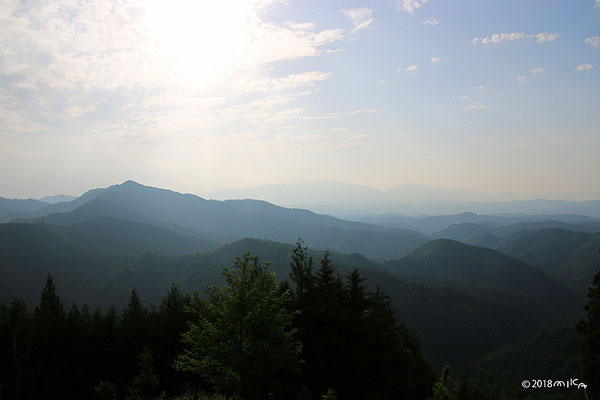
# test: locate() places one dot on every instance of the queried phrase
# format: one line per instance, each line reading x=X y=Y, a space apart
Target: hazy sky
x=492 y=96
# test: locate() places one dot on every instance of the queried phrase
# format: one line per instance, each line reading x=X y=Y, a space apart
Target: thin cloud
x=521 y=78
x=78 y=111
x=141 y=58
x=326 y=36
x=431 y=21
x=476 y=106
x=584 y=67
x=410 y=5
x=411 y=68
x=361 y=17
x=593 y=40
x=536 y=70
x=434 y=60
x=478 y=88
x=515 y=36
x=545 y=37
x=362 y=111
x=298 y=80
x=302 y=26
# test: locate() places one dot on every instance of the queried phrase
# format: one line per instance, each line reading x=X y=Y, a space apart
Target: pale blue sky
x=490 y=96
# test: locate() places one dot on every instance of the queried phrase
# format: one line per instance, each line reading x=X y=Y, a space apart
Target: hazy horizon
x=461 y=195
x=492 y=97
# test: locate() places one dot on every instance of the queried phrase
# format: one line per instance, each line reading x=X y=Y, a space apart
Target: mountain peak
x=130 y=183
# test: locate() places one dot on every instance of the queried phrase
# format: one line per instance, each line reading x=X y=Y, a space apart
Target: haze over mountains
x=351 y=200
x=477 y=281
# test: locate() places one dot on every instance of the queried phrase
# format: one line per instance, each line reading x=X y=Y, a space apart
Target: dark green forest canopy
x=344 y=330
x=474 y=319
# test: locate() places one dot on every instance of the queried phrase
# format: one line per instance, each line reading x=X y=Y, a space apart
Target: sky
x=490 y=96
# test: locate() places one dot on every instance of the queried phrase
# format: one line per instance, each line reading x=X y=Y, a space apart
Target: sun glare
x=201 y=41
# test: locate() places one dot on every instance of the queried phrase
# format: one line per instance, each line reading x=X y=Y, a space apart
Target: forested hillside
x=318 y=333
x=114 y=253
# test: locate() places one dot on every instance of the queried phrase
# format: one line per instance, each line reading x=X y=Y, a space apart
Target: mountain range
x=473 y=319
x=478 y=282
x=353 y=201
x=225 y=221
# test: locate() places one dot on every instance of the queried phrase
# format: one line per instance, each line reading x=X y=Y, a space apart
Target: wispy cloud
x=584 y=67
x=411 y=68
x=514 y=36
x=361 y=17
x=434 y=60
x=545 y=37
x=478 y=88
x=299 y=80
x=78 y=111
x=593 y=40
x=431 y=21
x=302 y=26
x=410 y=5
x=148 y=57
x=475 y=106
x=521 y=78
x=362 y=111
x=536 y=70
x=340 y=114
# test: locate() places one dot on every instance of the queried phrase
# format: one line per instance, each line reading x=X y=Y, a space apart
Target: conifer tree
x=445 y=388
x=16 y=335
x=172 y=318
x=301 y=270
x=133 y=334
x=590 y=329
x=49 y=325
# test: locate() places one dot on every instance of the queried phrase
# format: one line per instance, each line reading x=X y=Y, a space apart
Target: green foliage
x=105 y=390
x=16 y=335
x=590 y=329
x=352 y=340
x=570 y=257
x=146 y=382
x=353 y=344
x=330 y=395
x=242 y=342
x=49 y=326
x=551 y=354
x=445 y=388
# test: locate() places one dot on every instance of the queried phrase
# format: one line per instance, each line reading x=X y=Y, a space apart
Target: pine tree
x=171 y=323
x=133 y=335
x=16 y=333
x=49 y=327
x=301 y=270
x=50 y=313
x=445 y=388
x=590 y=329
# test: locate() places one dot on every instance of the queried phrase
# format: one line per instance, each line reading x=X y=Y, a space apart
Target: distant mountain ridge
x=58 y=198
x=10 y=208
x=437 y=225
x=350 y=200
x=456 y=263
x=225 y=221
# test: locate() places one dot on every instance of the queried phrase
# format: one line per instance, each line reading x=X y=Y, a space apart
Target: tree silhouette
x=590 y=329
x=242 y=341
